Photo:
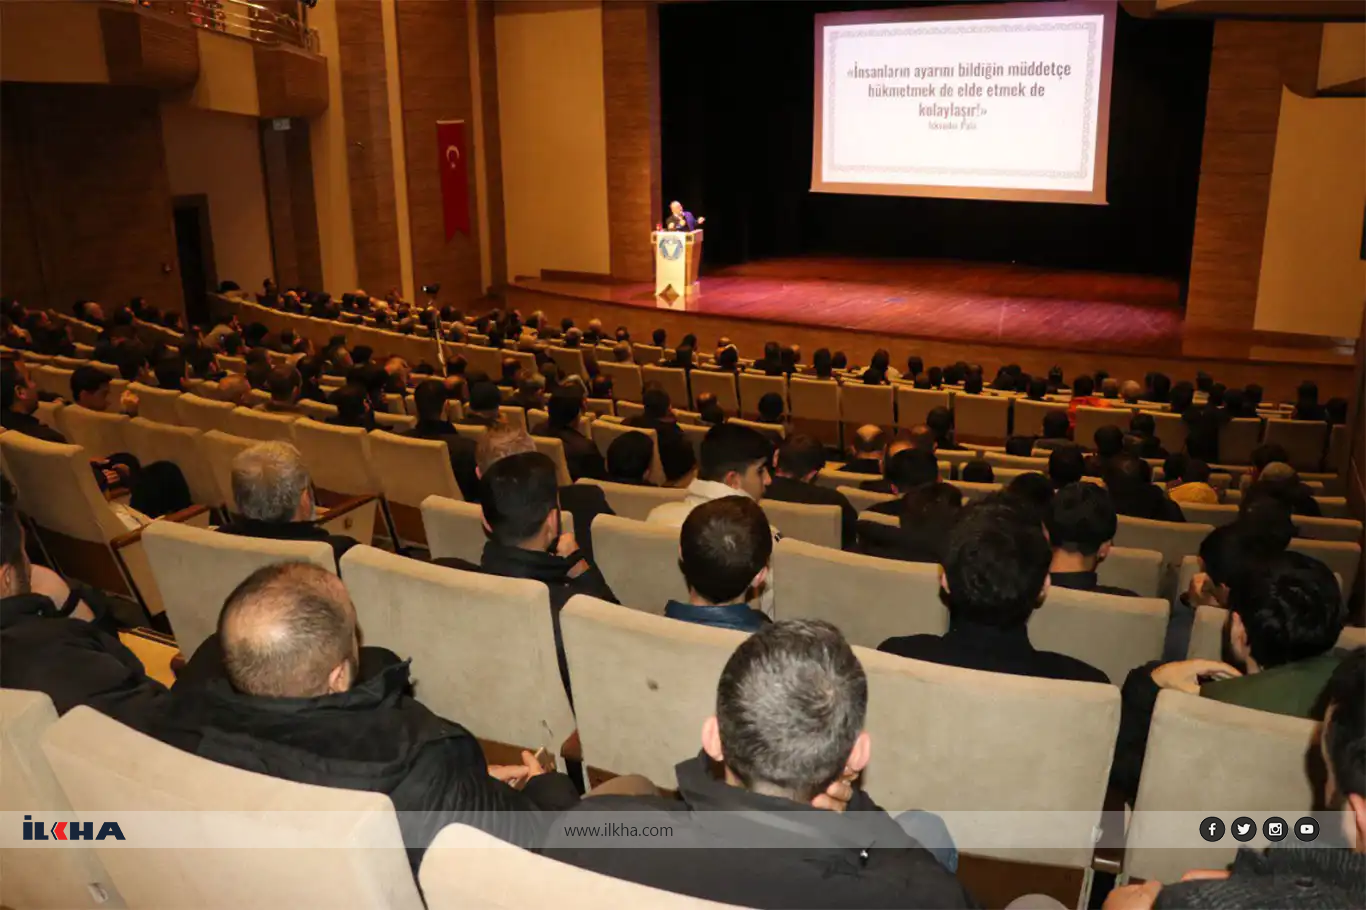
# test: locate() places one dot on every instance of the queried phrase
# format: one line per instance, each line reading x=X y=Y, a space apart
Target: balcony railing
x=266 y=22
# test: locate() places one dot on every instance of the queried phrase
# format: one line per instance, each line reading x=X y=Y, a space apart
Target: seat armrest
x=347 y=505
x=135 y=535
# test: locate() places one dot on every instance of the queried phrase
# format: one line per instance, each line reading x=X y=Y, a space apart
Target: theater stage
x=944 y=311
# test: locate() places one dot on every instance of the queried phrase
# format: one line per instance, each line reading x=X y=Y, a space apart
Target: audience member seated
x=512 y=373
x=1083 y=389
x=565 y=409
x=870 y=444
x=235 y=388
x=907 y=468
x=1056 y=431
x=790 y=708
x=431 y=396
x=1284 y=619
x=274 y=497
x=926 y=514
x=676 y=453
x=55 y=648
x=294 y=707
x=1280 y=481
x=20 y=403
x=353 y=407
x=798 y=464
x=284 y=385
x=1307 y=405
x=724 y=551
x=1141 y=440
x=977 y=471
x=484 y=402
x=1109 y=442
x=1032 y=491
x=995 y=575
x=940 y=422
x=629 y=458
x=771 y=408
x=1081 y=527
x=519 y=495
x=1130 y=391
x=1130 y=482
x=1187 y=480
x=1204 y=423
x=1336 y=411
x=1066 y=465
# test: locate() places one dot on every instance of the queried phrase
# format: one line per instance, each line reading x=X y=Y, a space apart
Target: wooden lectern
x=678 y=254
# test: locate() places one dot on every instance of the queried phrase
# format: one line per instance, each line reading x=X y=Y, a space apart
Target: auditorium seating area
x=483 y=648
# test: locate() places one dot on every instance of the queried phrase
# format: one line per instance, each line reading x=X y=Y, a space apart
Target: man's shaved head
x=869 y=439
x=289 y=631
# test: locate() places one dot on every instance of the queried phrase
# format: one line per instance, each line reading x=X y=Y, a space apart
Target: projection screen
x=1008 y=101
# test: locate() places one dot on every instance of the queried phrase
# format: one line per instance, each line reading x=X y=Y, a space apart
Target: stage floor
x=960 y=301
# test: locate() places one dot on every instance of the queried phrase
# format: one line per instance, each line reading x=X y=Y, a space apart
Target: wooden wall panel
x=630 y=76
x=293 y=211
x=1250 y=63
x=369 y=154
x=493 y=143
x=290 y=82
x=95 y=197
x=434 y=52
x=145 y=48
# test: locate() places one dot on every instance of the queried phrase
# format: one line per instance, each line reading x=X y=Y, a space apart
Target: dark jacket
x=1150 y=502
x=580 y=453
x=1284 y=876
x=790 y=489
x=514 y=562
x=739 y=617
x=585 y=501
x=1085 y=581
x=461 y=450
x=921 y=544
x=288 y=530
x=863 y=466
x=29 y=426
x=1202 y=433
x=859 y=858
x=1144 y=446
x=72 y=661
x=980 y=647
x=676 y=453
x=373 y=737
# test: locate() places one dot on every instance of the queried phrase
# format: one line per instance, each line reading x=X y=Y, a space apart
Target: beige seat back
x=483 y=647
x=219 y=451
x=1238 y=438
x=862 y=500
x=156 y=404
x=1342 y=557
x=815 y=524
x=913 y=404
x=633 y=502
x=232 y=364
x=814 y=399
x=1029 y=415
x=1207 y=635
x=1342 y=529
x=514 y=415
x=53 y=381
x=338 y=458
x=553 y=449
x=948 y=738
x=981 y=418
x=196 y=569
x=1140 y=571
x=151 y=442
x=722 y=385
x=695 y=433
x=1339 y=445
x=1111 y=632
x=1261 y=762
x=454 y=529
x=639 y=561
x=1216 y=515
x=674 y=381
x=605 y=432
x=204 y=413
x=1170 y=429
x=247 y=829
x=58 y=491
x=864 y=404
x=975 y=492
x=642 y=685
x=317 y=410
x=52 y=879
x=1304 y=441
x=410 y=470
x=464 y=868
x=266 y=426
x=1091 y=419
x=1173 y=540
x=394 y=423
x=569 y=360
x=835 y=478
x=49 y=414
x=626 y=383
x=646 y=353
x=100 y=433
x=1023 y=462
x=869 y=599
x=754 y=386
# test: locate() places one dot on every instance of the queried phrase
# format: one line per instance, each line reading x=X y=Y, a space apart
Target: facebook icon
x=1212 y=829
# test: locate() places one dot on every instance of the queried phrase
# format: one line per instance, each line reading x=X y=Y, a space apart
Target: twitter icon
x=1244 y=829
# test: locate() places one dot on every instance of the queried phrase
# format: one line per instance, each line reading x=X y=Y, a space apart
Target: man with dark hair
x=1204 y=424
x=564 y=411
x=1284 y=617
x=788 y=728
x=431 y=396
x=798 y=464
x=1187 y=480
x=978 y=470
x=170 y=372
x=658 y=337
x=90 y=389
x=283 y=383
x=940 y=422
x=1130 y=482
x=484 y=403
x=629 y=458
x=1032 y=491
x=1056 y=431
x=870 y=444
x=1081 y=526
x=55 y=648
x=926 y=514
x=907 y=468
x=676 y=453
x=512 y=373
x=353 y=407
x=771 y=408
x=995 y=576
x=724 y=549
x=519 y=495
x=1109 y=442
x=293 y=706
x=1066 y=465
x=1281 y=482
x=20 y=401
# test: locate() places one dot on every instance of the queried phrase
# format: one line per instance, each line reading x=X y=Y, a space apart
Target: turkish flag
x=455 y=182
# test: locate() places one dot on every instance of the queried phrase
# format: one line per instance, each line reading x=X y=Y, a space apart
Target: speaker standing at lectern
x=680 y=220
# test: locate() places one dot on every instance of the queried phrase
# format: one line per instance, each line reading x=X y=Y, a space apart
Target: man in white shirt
x=736 y=461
